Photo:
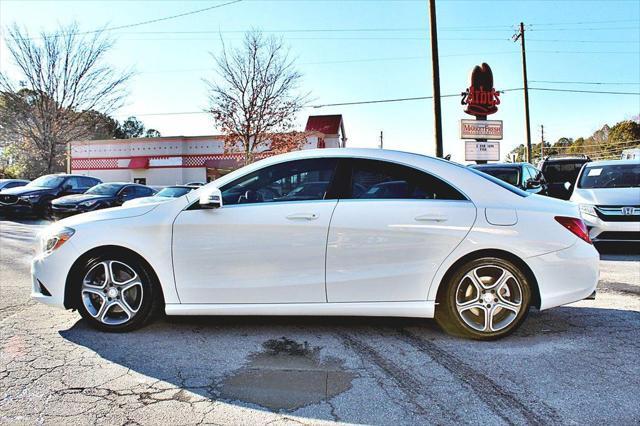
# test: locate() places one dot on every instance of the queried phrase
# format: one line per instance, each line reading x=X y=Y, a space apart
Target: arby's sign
x=481 y=98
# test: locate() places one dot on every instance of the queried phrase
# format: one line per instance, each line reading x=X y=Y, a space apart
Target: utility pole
x=520 y=36
x=435 y=63
x=381 y=141
x=541 y=142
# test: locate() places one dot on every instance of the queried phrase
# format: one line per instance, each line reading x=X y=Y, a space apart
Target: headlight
x=588 y=209
x=89 y=203
x=30 y=198
x=53 y=239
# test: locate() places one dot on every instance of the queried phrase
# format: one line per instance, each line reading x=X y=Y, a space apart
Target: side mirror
x=532 y=184
x=211 y=199
x=567 y=186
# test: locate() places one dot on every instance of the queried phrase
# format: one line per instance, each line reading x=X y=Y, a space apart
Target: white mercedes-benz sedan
x=326 y=232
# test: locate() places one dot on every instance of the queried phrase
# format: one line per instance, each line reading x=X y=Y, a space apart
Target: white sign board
x=481 y=129
x=481 y=151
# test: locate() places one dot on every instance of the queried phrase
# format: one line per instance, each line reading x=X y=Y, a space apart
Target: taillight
x=576 y=226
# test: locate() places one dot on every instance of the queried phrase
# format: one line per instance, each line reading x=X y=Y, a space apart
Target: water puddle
x=287 y=375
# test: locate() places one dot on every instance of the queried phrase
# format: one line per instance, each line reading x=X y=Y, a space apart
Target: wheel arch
x=502 y=254
x=70 y=303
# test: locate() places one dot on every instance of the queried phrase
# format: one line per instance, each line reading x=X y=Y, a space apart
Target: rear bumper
x=600 y=230
x=566 y=276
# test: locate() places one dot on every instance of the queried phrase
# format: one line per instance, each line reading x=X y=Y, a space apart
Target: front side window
x=372 y=179
x=612 y=176
x=302 y=180
x=74 y=183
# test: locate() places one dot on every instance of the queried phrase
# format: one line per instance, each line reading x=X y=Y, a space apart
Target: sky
x=363 y=50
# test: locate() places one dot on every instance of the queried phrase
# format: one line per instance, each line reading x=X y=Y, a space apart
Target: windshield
x=47 y=181
x=561 y=172
x=104 y=189
x=509 y=175
x=612 y=176
x=499 y=182
x=173 y=192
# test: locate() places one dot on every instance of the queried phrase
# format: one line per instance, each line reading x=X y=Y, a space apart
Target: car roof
x=611 y=163
x=569 y=158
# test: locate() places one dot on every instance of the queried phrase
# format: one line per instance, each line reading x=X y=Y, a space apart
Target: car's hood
x=607 y=196
x=21 y=190
x=79 y=198
x=147 y=200
x=106 y=214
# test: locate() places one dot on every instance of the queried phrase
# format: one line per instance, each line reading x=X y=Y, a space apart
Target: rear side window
x=498 y=182
x=373 y=179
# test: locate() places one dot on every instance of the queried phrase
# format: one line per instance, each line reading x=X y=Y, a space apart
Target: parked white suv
x=609 y=196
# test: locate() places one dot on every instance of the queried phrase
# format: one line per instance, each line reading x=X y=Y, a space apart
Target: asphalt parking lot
x=573 y=364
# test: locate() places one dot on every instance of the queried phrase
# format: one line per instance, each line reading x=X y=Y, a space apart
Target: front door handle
x=431 y=218
x=302 y=216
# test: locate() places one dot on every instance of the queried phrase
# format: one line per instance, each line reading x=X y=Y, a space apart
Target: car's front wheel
x=116 y=293
x=484 y=299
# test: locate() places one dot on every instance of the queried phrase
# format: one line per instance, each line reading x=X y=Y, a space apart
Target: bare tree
x=63 y=79
x=255 y=98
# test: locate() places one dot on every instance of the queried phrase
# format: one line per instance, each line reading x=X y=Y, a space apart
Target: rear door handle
x=302 y=216
x=431 y=218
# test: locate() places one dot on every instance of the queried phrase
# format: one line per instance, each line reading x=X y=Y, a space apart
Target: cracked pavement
x=573 y=364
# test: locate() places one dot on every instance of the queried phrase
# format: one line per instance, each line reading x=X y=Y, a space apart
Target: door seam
x=326 y=252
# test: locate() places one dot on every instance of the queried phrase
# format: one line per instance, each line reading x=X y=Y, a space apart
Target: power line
x=150 y=21
x=393 y=100
x=587 y=82
x=618 y=21
x=548 y=89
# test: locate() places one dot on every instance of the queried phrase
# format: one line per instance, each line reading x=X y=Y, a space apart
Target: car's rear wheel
x=484 y=299
x=116 y=293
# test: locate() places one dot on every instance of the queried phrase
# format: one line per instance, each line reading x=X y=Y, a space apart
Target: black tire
x=150 y=305
x=457 y=286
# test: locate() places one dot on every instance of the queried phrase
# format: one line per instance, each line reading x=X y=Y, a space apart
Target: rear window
x=506 y=174
x=501 y=183
x=561 y=172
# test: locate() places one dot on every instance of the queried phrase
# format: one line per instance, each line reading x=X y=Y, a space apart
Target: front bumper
x=600 y=230
x=566 y=276
x=51 y=272
x=17 y=209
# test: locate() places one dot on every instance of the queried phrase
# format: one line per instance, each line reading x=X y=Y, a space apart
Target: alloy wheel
x=112 y=292
x=489 y=298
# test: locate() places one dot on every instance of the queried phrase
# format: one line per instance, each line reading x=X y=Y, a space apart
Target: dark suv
x=561 y=173
x=522 y=175
x=35 y=197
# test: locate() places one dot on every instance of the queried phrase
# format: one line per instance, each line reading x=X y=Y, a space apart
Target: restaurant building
x=182 y=159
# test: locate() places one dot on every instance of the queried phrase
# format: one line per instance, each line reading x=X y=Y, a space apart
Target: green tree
x=131 y=128
x=152 y=133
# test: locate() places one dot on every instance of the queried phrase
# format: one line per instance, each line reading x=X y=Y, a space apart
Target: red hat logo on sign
x=481 y=98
